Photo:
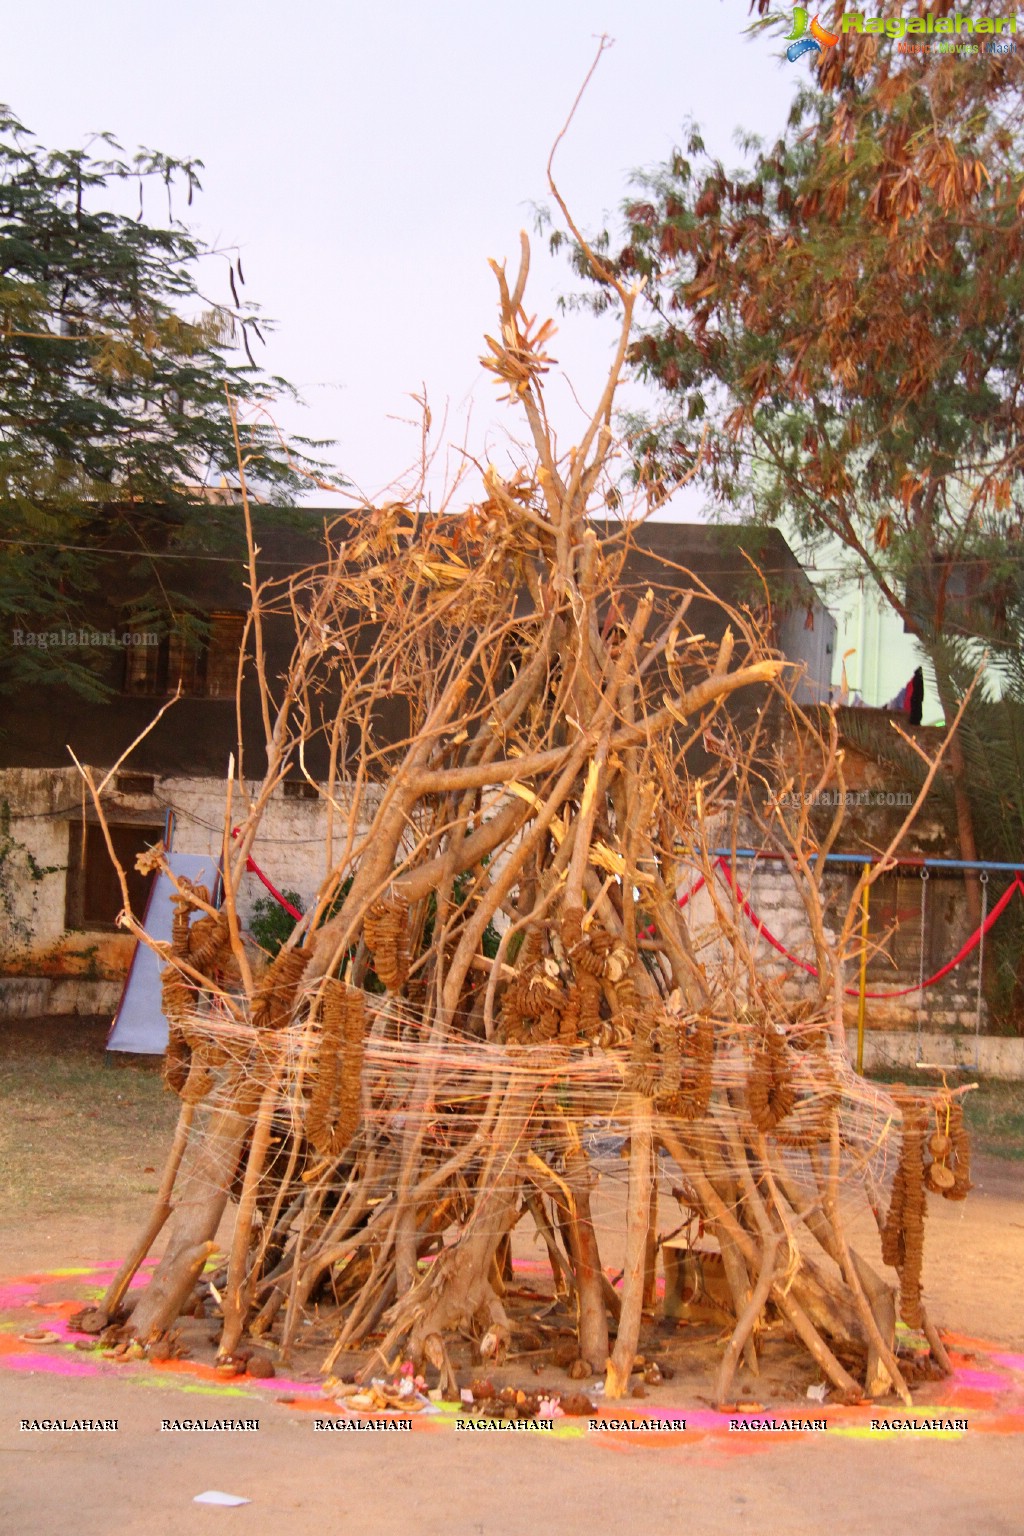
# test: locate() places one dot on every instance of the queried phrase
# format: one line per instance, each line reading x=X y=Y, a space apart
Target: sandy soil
x=141 y=1482
x=144 y=1481
x=64 y=1169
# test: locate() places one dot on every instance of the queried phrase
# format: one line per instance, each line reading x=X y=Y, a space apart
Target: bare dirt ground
x=80 y=1143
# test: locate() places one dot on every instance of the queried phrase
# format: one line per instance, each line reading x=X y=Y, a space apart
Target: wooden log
x=588 y=1271
x=236 y=1291
x=638 y=1217
x=161 y=1211
x=170 y=1291
x=747 y=1320
x=197 y=1213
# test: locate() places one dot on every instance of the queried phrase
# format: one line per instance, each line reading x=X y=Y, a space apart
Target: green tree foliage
x=114 y=367
x=269 y=923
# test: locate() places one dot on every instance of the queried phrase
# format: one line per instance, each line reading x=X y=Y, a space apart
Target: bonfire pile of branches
x=496 y=963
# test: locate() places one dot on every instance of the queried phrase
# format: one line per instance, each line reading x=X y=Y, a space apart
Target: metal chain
x=920 y=965
x=983 y=878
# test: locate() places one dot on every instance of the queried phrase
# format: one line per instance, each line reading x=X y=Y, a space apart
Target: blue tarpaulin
x=140 y=1025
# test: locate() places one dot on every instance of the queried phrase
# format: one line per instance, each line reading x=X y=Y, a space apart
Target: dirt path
x=141 y=1482
x=437 y=1479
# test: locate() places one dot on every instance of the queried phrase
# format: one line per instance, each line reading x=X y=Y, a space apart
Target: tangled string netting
x=355 y=1052
x=350 y=1080
x=330 y=1066
x=565 y=1052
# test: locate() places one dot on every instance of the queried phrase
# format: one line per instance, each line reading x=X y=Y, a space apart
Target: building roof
x=198 y=733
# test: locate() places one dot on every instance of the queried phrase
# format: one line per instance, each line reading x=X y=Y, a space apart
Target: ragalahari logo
x=801 y=43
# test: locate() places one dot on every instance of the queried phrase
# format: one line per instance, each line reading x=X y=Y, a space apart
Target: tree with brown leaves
x=839 y=324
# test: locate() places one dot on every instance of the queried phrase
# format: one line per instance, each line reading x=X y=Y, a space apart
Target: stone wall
x=47 y=966
x=951 y=1005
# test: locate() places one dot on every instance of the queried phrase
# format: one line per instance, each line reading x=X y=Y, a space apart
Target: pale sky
x=368 y=158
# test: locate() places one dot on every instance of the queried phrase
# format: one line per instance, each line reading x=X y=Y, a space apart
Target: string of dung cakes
x=571 y=1016
x=193 y=1055
x=188 y=1059
x=949 y=1175
x=176 y=1000
x=809 y=1121
x=559 y=999
x=273 y=1001
x=903 y=1232
x=669 y=1037
x=595 y=958
x=532 y=1007
x=209 y=944
x=688 y=1056
x=340 y=1058
x=638 y=1018
x=386 y=931
x=771 y=1095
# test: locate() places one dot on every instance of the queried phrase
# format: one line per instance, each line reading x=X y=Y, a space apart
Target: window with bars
x=206 y=670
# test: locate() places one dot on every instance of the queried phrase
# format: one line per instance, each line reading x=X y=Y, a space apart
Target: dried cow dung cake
x=770 y=1092
x=386 y=931
x=903 y=1231
x=333 y=1111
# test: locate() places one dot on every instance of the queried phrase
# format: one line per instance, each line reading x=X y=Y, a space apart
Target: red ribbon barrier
x=254 y=869
x=812 y=970
x=765 y=933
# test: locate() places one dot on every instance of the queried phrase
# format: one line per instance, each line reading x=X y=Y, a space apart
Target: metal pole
x=908 y=862
x=981 y=968
x=865 y=896
x=920 y=967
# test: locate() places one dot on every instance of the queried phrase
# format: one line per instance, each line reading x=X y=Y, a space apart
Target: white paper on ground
x=214 y=1496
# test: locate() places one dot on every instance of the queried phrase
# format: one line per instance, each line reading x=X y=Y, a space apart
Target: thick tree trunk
x=236 y=1293
x=638 y=1220
x=161 y=1211
x=198 y=1208
x=457 y=1292
x=740 y=1342
x=586 y=1257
